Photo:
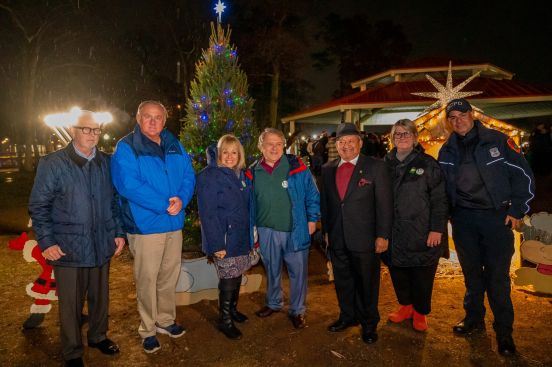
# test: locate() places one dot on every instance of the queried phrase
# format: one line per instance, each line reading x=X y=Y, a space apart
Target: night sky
x=514 y=35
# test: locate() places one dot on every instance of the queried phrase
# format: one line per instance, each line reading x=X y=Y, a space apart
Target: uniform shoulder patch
x=512 y=144
x=494 y=152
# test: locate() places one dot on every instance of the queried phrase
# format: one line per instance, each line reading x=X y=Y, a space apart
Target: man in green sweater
x=286 y=208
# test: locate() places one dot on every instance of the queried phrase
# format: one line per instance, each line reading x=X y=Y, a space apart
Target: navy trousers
x=485 y=246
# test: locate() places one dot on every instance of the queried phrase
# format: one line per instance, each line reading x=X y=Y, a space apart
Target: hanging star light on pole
x=219 y=9
x=446 y=93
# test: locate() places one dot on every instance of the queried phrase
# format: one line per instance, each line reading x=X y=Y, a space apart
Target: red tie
x=342 y=178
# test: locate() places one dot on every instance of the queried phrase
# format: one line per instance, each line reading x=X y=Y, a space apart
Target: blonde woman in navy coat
x=223 y=197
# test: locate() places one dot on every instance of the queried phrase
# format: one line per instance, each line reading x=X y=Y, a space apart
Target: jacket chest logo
x=494 y=152
x=285 y=184
x=416 y=171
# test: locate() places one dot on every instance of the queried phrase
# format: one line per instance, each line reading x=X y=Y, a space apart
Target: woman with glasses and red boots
x=418 y=236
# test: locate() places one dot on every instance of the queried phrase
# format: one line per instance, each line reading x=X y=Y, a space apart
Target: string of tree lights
x=219 y=102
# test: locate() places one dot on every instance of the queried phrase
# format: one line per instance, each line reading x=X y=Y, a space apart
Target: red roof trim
x=400 y=93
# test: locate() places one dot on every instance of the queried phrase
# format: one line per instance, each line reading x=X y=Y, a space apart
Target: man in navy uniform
x=489 y=186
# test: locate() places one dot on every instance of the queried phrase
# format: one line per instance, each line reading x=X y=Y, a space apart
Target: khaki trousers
x=157 y=260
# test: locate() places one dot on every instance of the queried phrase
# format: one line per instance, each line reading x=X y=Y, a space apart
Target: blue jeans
x=276 y=249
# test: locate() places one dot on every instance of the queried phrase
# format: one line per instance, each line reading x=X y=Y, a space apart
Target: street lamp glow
x=103 y=117
x=63 y=119
x=68 y=119
x=75 y=111
x=61 y=122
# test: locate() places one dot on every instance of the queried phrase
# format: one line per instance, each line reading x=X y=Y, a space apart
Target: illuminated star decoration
x=447 y=93
x=219 y=9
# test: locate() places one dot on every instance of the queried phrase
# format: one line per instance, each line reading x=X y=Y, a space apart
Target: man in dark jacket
x=489 y=185
x=357 y=210
x=78 y=227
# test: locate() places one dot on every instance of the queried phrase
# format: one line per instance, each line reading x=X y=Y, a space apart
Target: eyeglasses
x=88 y=130
x=402 y=135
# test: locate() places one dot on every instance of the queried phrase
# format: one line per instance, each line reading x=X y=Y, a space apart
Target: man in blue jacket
x=286 y=208
x=78 y=227
x=154 y=177
x=489 y=185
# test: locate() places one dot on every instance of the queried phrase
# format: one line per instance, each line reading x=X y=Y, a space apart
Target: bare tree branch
x=17 y=22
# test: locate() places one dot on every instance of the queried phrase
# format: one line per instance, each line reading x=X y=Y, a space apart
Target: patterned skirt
x=231 y=267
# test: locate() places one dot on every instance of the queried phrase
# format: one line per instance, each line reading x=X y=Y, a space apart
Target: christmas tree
x=219 y=102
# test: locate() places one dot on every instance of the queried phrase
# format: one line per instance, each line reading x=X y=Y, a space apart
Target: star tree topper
x=447 y=93
x=219 y=9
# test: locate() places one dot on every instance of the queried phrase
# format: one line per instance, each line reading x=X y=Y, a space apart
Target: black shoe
x=229 y=329
x=506 y=346
x=466 y=327
x=75 y=362
x=369 y=336
x=298 y=321
x=237 y=316
x=265 y=312
x=341 y=325
x=106 y=346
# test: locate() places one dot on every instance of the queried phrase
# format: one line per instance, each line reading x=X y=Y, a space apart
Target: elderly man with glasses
x=78 y=227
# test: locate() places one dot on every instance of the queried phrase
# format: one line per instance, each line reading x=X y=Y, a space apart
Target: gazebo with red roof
x=384 y=98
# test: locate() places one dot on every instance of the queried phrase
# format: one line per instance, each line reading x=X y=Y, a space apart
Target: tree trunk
x=274 y=94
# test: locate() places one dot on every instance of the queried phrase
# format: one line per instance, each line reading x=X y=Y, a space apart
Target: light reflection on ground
x=7 y=176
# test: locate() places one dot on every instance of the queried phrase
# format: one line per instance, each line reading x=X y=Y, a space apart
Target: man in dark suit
x=357 y=207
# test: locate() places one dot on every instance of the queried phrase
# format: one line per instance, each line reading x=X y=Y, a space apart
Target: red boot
x=419 y=322
x=405 y=312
